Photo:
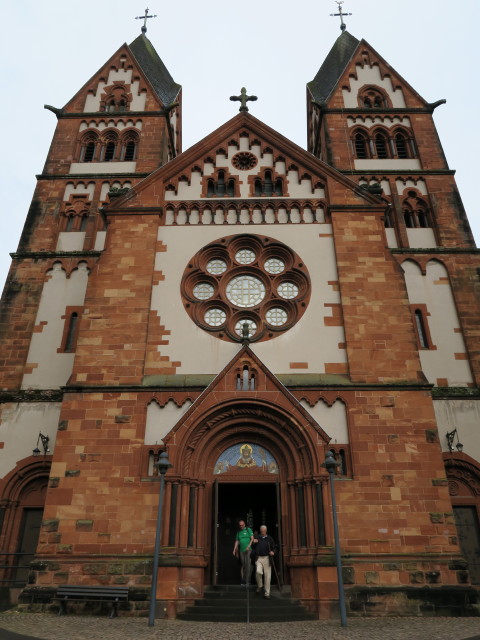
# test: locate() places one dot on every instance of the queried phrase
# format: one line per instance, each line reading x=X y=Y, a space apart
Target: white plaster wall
x=80 y=189
x=371 y=75
x=374 y=121
x=333 y=420
x=308 y=341
x=100 y=241
x=295 y=187
x=421 y=238
x=70 y=240
x=102 y=167
x=464 y=416
x=161 y=420
x=101 y=125
x=391 y=238
x=53 y=369
x=114 y=185
x=386 y=164
x=92 y=102
x=434 y=291
x=403 y=187
x=20 y=424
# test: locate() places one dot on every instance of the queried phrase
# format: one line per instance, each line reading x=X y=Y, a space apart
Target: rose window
x=245 y=281
x=244 y=160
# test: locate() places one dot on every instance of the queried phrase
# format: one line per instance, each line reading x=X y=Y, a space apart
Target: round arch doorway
x=246 y=488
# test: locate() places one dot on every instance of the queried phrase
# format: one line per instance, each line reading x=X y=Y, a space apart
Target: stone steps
x=229 y=604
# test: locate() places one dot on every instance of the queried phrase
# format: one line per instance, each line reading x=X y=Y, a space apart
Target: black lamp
x=44 y=440
x=450 y=435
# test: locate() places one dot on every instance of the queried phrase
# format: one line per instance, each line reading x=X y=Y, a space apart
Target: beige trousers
x=263 y=568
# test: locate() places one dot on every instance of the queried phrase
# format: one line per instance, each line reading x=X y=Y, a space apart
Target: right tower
x=367 y=122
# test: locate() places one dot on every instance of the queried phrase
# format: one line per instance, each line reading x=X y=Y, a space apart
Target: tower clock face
x=246 y=281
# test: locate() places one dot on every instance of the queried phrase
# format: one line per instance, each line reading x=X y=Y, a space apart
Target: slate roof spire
x=157 y=73
x=333 y=67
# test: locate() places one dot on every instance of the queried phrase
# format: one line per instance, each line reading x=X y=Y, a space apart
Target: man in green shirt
x=243 y=544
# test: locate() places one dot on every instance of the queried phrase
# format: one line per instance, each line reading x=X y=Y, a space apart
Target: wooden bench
x=68 y=593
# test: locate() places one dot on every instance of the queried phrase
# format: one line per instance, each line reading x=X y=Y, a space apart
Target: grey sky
x=51 y=48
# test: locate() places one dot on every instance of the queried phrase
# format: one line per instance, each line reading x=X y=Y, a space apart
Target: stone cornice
x=19 y=255
x=80 y=176
x=437 y=250
x=31 y=395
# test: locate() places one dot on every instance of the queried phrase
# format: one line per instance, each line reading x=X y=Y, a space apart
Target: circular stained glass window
x=274 y=265
x=287 y=290
x=203 y=291
x=276 y=317
x=245 y=291
x=216 y=266
x=245 y=256
x=252 y=326
x=215 y=317
x=257 y=280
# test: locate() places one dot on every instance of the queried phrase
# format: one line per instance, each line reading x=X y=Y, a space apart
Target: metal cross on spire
x=145 y=18
x=243 y=99
x=340 y=13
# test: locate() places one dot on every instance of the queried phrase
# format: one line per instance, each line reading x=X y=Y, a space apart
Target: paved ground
x=70 y=627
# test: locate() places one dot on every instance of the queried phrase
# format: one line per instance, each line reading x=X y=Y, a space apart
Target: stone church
x=247 y=305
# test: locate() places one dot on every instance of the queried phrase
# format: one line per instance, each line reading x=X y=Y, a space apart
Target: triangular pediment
x=139 y=70
x=246 y=381
x=243 y=152
x=352 y=59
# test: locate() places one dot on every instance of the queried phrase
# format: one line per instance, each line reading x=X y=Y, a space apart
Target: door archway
x=23 y=493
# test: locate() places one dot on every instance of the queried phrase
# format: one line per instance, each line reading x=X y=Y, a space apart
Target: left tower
x=124 y=123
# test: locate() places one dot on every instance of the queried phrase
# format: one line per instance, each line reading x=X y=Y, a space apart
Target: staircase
x=229 y=604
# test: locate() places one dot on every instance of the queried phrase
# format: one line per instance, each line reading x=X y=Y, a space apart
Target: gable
x=352 y=65
x=246 y=379
x=246 y=159
x=135 y=73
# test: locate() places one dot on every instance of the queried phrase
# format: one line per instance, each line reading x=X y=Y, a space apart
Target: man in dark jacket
x=264 y=550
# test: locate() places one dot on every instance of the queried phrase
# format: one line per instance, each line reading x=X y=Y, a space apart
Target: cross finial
x=243 y=99
x=340 y=13
x=145 y=18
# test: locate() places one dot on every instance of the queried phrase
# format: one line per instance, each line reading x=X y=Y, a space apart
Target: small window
x=421 y=331
x=278 y=190
x=381 y=146
x=268 y=184
x=89 y=151
x=258 y=187
x=388 y=220
x=409 y=219
x=401 y=146
x=423 y=220
x=71 y=333
x=109 y=151
x=70 y=221
x=361 y=146
x=83 y=224
x=130 y=149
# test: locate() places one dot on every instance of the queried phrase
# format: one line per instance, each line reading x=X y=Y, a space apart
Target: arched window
x=122 y=105
x=421 y=331
x=388 y=220
x=231 y=188
x=71 y=333
x=409 y=218
x=70 y=221
x=370 y=98
x=268 y=184
x=210 y=189
x=89 y=151
x=258 y=187
x=401 y=145
x=111 y=106
x=278 y=189
x=422 y=218
x=130 y=149
x=361 y=145
x=381 y=146
x=83 y=223
x=109 y=151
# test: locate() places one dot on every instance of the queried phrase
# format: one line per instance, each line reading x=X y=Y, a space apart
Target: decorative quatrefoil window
x=246 y=279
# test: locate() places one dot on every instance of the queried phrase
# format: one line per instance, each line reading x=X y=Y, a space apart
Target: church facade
x=248 y=306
